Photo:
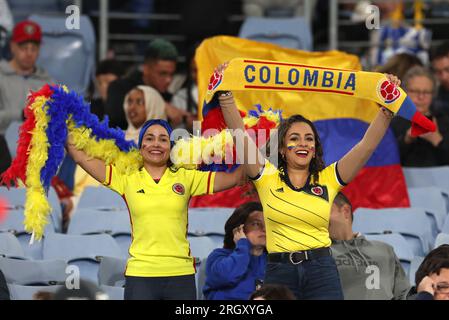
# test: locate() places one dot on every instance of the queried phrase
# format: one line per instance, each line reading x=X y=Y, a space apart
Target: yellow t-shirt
x=297 y=220
x=158 y=213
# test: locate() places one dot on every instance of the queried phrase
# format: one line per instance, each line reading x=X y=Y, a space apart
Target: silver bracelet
x=225 y=93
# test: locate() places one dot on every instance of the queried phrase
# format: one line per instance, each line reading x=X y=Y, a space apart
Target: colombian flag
x=341 y=120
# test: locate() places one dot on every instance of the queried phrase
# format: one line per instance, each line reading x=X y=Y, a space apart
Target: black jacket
x=422 y=153
x=117 y=91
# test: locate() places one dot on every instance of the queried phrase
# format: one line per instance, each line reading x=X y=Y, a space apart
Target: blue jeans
x=315 y=279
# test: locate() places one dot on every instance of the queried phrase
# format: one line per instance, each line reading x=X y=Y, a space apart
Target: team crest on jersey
x=318 y=191
x=178 y=188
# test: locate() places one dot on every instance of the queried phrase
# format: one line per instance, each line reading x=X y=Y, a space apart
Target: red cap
x=26 y=31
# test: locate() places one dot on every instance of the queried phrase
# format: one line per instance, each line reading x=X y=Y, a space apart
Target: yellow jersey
x=158 y=214
x=297 y=219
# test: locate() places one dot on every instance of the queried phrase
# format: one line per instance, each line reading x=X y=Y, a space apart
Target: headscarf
x=152 y=122
x=154 y=109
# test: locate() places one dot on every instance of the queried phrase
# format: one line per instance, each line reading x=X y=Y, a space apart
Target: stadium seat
x=16 y=200
x=19 y=292
x=416 y=262
x=90 y=221
x=14 y=196
x=208 y=221
x=101 y=198
x=445 y=228
x=22 y=8
x=10 y=246
x=12 y=136
x=442 y=238
x=201 y=246
x=28 y=272
x=217 y=239
x=427 y=177
x=84 y=251
x=200 y=278
x=124 y=242
x=56 y=213
x=285 y=32
x=14 y=224
x=111 y=271
x=400 y=245
x=68 y=55
x=114 y=293
x=412 y=223
x=432 y=200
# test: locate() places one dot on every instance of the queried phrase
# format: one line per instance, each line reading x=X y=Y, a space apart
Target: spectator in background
x=17 y=77
x=430 y=149
x=157 y=72
x=107 y=72
x=232 y=272
x=440 y=65
x=187 y=98
x=354 y=254
x=399 y=64
x=142 y=103
x=432 y=276
x=6 y=24
x=273 y=292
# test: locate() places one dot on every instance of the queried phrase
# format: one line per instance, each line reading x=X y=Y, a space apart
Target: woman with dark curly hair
x=297 y=196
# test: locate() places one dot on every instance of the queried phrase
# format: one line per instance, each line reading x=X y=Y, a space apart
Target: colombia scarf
x=250 y=74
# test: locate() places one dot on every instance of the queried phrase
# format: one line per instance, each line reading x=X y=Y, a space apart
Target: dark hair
x=273 y=292
x=160 y=49
x=340 y=200
x=441 y=51
x=238 y=217
x=435 y=260
x=110 y=66
x=399 y=64
x=317 y=163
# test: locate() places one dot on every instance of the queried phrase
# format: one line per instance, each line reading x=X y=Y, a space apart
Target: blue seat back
x=201 y=246
x=10 y=246
x=291 y=33
x=442 y=238
x=89 y=221
x=12 y=136
x=19 y=292
x=101 y=198
x=207 y=221
x=412 y=223
x=73 y=247
x=111 y=271
x=68 y=55
x=30 y=272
